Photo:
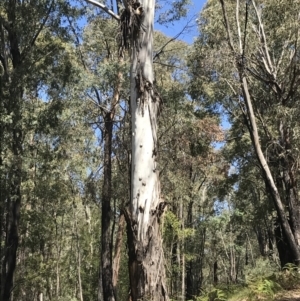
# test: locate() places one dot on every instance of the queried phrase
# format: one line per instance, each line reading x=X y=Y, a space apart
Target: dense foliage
x=65 y=150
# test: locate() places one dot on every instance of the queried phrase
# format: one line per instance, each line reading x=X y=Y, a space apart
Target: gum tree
x=145 y=245
x=146 y=264
x=250 y=68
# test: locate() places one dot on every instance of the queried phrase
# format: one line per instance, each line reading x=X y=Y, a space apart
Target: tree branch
x=238 y=26
x=78 y=43
x=171 y=40
x=264 y=41
x=105 y=8
x=5 y=24
x=3 y=58
x=230 y=42
x=3 y=62
x=38 y=32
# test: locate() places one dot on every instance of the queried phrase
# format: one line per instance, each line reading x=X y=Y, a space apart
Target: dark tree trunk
x=13 y=105
x=108 y=287
x=117 y=255
x=175 y=278
x=216 y=280
x=291 y=191
x=284 y=251
x=12 y=239
x=201 y=261
x=146 y=262
x=189 y=281
x=192 y=268
x=288 y=166
x=3 y=196
x=262 y=240
x=100 y=286
x=106 y=243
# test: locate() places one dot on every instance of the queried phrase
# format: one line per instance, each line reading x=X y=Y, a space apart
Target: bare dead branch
x=230 y=42
x=264 y=41
x=238 y=25
x=245 y=28
x=105 y=8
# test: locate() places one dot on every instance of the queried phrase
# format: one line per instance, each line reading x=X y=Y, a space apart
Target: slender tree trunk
x=146 y=260
x=78 y=257
x=216 y=279
x=255 y=138
x=3 y=180
x=261 y=239
x=201 y=261
x=251 y=251
x=108 y=275
x=13 y=200
x=108 y=286
x=106 y=243
x=190 y=270
x=289 y=179
x=57 y=279
x=268 y=175
x=3 y=197
x=181 y=218
x=293 y=203
x=118 y=248
x=100 y=287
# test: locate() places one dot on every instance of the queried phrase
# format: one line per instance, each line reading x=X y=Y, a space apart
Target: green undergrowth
x=264 y=285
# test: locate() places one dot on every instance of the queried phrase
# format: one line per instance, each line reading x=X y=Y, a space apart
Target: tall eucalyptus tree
x=283 y=91
x=146 y=264
x=257 y=85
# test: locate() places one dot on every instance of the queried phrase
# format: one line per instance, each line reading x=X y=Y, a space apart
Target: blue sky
x=173 y=29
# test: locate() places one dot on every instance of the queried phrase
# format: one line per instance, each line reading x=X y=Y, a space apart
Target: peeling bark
x=146 y=263
x=146 y=260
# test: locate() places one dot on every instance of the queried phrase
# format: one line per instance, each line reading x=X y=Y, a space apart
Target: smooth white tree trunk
x=146 y=264
x=144 y=181
x=146 y=260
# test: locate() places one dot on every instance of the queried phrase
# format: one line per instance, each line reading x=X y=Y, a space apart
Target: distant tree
x=29 y=32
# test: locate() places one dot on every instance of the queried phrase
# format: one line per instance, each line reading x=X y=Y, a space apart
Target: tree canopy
x=136 y=165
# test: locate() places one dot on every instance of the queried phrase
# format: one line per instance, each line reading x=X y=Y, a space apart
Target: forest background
x=228 y=149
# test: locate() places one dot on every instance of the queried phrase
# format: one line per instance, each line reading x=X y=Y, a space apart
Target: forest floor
x=292 y=295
